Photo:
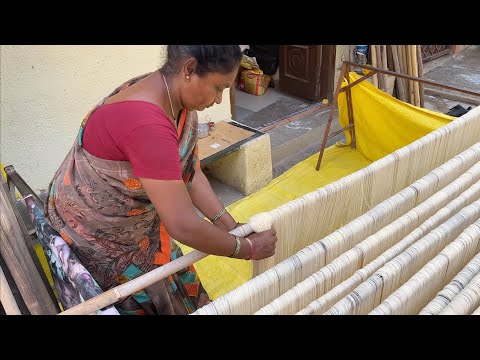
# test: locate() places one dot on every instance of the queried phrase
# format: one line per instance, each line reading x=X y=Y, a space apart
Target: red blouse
x=135 y=131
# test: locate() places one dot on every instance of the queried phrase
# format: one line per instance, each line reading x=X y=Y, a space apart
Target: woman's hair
x=210 y=58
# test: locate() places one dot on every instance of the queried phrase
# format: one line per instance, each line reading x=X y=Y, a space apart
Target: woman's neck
x=170 y=95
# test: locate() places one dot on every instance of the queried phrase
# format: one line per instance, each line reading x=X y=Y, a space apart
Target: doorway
x=304 y=77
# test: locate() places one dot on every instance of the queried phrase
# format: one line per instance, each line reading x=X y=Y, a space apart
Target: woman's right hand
x=264 y=244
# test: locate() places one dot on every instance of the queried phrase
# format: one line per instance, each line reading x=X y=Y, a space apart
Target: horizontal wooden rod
x=365 y=77
x=332 y=135
x=121 y=292
x=414 y=78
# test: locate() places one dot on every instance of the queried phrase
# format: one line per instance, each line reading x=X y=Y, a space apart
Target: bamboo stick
x=416 y=93
x=378 y=52
x=6 y=296
x=399 y=81
x=390 y=65
x=373 y=55
x=411 y=90
x=403 y=68
x=421 y=88
x=407 y=82
x=385 y=67
x=122 y=291
x=17 y=258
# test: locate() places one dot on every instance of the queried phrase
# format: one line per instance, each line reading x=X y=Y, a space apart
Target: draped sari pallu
x=102 y=212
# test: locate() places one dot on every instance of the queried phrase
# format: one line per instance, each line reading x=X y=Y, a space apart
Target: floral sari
x=101 y=210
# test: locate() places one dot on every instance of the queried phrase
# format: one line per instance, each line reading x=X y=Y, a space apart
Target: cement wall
x=47 y=90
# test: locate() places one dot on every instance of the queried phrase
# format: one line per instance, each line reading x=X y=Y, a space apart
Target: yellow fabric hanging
x=383 y=124
x=220 y=275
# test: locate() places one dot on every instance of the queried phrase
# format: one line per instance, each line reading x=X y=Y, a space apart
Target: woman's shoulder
x=131 y=103
x=139 y=110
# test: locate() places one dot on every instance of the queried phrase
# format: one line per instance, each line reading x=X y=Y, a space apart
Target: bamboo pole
x=416 y=92
x=411 y=90
x=381 y=84
x=421 y=88
x=120 y=292
x=390 y=65
x=373 y=56
x=17 y=258
x=385 y=67
x=396 y=66
x=403 y=68
x=6 y=296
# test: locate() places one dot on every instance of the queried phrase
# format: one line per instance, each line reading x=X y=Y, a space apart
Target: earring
x=187 y=77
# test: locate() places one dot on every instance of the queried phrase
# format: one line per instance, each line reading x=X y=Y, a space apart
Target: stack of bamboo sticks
x=405 y=59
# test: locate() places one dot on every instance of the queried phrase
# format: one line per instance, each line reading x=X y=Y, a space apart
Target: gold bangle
x=216 y=217
x=238 y=245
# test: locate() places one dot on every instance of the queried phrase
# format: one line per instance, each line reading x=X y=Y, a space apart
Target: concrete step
x=295 y=141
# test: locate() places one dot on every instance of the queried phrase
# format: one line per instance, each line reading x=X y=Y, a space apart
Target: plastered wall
x=47 y=90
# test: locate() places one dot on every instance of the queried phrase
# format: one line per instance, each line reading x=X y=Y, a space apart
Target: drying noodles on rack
x=392 y=236
x=449 y=292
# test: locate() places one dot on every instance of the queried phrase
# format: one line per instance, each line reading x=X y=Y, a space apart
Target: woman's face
x=202 y=92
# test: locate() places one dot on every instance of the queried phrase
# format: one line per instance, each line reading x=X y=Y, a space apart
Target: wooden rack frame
x=373 y=70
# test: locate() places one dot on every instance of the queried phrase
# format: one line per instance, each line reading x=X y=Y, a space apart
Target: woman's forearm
x=205 y=200
x=175 y=208
x=203 y=236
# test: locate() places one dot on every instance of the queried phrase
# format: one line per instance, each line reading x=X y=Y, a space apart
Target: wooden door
x=307 y=70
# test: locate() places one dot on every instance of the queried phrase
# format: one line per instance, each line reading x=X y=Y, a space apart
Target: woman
x=132 y=180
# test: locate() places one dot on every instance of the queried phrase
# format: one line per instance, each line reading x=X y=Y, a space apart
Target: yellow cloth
x=3 y=171
x=220 y=275
x=17 y=194
x=383 y=124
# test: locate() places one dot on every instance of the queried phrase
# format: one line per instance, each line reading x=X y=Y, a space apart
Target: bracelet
x=216 y=217
x=251 y=248
x=238 y=245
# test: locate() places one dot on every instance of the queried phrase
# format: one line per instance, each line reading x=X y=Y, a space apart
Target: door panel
x=307 y=70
